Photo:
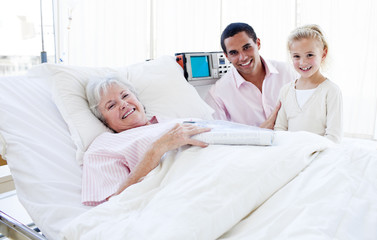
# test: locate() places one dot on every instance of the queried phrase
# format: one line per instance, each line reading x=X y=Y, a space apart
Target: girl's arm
x=281 y=123
x=334 y=120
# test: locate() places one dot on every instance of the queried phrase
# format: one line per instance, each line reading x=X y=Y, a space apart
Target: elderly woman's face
x=121 y=109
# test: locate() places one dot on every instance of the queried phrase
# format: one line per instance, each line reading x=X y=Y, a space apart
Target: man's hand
x=270 y=122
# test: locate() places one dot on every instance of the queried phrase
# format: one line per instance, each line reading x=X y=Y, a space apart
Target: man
x=248 y=93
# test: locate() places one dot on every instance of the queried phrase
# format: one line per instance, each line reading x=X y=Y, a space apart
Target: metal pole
x=43 y=53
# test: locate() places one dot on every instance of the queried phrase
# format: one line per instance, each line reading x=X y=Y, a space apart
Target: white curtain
x=272 y=20
x=118 y=33
x=351 y=29
x=186 y=26
x=104 y=33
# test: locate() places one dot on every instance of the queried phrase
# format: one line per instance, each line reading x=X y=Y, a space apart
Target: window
x=21 y=42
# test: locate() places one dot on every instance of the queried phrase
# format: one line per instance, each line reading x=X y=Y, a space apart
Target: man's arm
x=219 y=112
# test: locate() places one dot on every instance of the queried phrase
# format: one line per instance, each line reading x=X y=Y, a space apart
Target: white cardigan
x=321 y=114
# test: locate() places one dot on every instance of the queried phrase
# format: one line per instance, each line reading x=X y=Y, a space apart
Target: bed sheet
x=199 y=193
x=333 y=198
x=40 y=153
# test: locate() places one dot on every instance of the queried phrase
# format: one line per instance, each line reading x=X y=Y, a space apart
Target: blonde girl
x=311 y=103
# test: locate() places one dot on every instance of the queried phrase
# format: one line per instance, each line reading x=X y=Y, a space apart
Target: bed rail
x=13 y=229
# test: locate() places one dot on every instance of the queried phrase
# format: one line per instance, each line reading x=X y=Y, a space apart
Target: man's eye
x=232 y=53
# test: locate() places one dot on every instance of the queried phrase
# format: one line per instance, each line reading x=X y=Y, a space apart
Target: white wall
x=118 y=33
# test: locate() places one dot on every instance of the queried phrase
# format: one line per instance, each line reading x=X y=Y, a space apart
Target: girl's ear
x=324 y=54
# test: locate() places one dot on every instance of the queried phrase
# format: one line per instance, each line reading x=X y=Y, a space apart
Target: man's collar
x=269 y=68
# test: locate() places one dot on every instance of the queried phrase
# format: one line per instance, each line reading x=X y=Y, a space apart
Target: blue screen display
x=200 y=66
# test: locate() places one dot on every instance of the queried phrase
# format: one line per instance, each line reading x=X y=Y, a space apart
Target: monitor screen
x=200 y=66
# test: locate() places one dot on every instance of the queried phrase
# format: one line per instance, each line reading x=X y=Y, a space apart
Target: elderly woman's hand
x=180 y=135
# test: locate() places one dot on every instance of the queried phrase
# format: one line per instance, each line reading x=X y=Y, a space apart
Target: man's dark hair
x=234 y=28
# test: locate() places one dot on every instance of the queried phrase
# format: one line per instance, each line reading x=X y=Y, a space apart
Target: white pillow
x=159 y=83
x=163 y=90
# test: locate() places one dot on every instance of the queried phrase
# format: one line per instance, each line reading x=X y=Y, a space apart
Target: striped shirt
x=112 y=156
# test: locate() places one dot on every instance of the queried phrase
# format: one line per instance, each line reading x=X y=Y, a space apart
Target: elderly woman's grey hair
x=97 y=87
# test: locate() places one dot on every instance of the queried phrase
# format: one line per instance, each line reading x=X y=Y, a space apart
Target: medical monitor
x=203 y=65
x=200 y=66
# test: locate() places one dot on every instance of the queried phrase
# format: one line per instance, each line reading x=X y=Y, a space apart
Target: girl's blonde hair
x=310 y=31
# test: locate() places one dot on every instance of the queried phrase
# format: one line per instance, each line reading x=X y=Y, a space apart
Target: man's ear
x=258 y=43
x=226 y=55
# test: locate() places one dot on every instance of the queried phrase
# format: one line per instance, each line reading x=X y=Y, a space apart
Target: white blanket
x=199 y=193
x=334 y=198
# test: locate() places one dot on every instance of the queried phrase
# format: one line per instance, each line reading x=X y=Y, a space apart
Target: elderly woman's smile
x=128 y=113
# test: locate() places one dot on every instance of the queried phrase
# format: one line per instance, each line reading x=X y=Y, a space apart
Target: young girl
x=312 y=103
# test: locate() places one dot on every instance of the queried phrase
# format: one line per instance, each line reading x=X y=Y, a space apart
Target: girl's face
x=121 y=109
x=307 y=55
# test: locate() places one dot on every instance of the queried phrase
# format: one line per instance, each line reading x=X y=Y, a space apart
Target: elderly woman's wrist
x=157 y=150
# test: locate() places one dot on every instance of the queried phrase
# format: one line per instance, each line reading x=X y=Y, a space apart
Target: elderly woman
x=115 y=161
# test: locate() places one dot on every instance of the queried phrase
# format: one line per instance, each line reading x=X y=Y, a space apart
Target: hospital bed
x=301 y=187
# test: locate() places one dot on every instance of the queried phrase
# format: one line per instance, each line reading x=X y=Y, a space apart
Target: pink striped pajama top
x=112 y=156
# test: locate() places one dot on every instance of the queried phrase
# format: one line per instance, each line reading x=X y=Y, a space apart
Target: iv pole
x=43 y=53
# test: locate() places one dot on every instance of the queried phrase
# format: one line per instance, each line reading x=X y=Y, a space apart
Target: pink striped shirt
x=112 y=156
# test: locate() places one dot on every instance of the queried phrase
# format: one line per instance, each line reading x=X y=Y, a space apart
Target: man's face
x=243 y=52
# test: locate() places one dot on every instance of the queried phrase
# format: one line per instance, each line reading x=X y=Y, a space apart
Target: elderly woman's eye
x=125 y=95
x=111 y=106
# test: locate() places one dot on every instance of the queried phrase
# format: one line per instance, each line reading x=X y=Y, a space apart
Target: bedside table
x=6 y=180
x=2 y=161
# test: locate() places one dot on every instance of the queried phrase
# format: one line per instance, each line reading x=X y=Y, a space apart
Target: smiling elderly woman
x=115 y=161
